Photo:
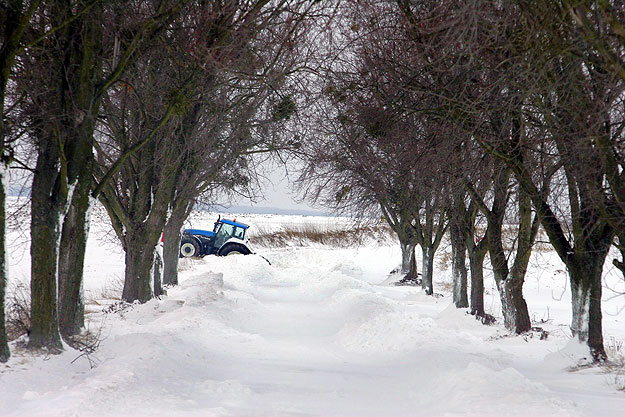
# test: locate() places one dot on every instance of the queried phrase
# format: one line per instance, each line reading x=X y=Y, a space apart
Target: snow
x=316 y=333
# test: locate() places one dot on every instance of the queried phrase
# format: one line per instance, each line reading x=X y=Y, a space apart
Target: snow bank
x=479 y=391
x=200 y=290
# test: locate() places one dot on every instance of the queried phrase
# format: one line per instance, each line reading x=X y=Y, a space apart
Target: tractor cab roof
x=234 y=223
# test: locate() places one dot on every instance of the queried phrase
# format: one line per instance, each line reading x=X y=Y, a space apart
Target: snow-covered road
x=314 y=334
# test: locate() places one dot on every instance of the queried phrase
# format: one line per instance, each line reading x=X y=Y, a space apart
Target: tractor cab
x=227 y=237
x=225 y=230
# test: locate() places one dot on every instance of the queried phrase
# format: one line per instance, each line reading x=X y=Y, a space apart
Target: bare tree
x=14 y=20
x=258 y=118
x=225 y=88
x=64 y=78
x=601 y=25
x=530 y=94
x=577 y=102
x=387 y=151
x=457 y=56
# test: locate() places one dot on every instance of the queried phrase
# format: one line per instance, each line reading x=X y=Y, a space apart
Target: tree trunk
x=408 y=258
x=139 y=263
x=46 y=213
x=509 y=283
x=158 y=272
x=515 y=313
x=412 y=276
x=476 y=262
x=586 y=323
x=514 y=308
x=510 y=280
x=428 y=269
x=621 y=247
x=171 y=243
x=458 y=266
x=5 y=353
x=595 y=318
x=71 y=261
x=412 y=272
x=171 y=253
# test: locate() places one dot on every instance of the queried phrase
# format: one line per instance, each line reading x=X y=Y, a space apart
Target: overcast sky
x=277 y=189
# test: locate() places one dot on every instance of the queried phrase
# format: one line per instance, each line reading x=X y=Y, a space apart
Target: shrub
x=17 y=305
x=305 y=234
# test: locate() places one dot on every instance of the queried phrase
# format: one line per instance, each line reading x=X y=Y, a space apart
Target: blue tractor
x=227 y=238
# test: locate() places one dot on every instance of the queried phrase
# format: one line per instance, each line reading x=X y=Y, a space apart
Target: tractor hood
x=199 y=232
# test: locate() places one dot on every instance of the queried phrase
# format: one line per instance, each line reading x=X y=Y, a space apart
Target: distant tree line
x=466 y=117
x=145 y=106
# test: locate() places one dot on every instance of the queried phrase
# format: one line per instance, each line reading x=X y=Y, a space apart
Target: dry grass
x=185 y=264
x=615 y=366
x=110 y=290
x=509 y=235
x=17 y=304
x=445 y=286
x=444 y=260
x=305 y=234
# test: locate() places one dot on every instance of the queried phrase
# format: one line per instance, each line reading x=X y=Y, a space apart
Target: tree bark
x=5 y=353
x=458 y=264
x=412 y=272
x=157 y=269
x=514 y=308
x=428 y=269
x=143 y=230
x=516 y=314
x=171 y=252
x=46 y=211
x=71 y=261
x=476 y=262
x=171 y=242
x=139 y=262
x=509 y=284
x=586 y=321
x=81 y=112
x=407 y=257
x=476 y=248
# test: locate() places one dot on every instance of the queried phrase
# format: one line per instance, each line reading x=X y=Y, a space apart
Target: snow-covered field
x=319 y=332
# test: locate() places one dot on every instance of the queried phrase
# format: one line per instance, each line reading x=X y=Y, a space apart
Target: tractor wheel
x=189 y=247
x=234 y=249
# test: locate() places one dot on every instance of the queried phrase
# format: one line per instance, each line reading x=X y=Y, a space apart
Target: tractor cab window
x=239 y=232
x=226 y=232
